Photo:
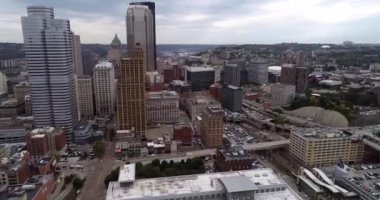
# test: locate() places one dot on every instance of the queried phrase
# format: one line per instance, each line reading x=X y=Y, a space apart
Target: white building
x=48 y=44
x=140 y=32
x=162 y=107
x=282 y=94
x=3 y=83
x=104 y=88
x=259 y=184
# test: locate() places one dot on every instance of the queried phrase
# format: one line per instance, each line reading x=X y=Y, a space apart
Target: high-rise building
x=162 y=107
x=232 y=98
x=21 y=90
x=315 y=147
x=152 y=8
x=89 y=60
x=48 y=44
x=212 y=127
x=131 y=102
x=140 y=32
x=300 y=59
x=293 y=75
x=85 y=98
x=3 y=83
x=114 y=55
x=78 y=64
x=258 y=71
x=200 y=78
x=231 y=74
x=104 y=88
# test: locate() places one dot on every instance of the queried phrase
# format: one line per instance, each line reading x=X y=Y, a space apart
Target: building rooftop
x=104 y=65
x=235 y=153
x=199 y=69
x=10 y=102
x=163 y=94
x=127 y=173
x=265 y=181
x=322 y=133
x=26 y=191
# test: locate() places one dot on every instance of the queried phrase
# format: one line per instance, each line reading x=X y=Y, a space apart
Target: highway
x=207 y=152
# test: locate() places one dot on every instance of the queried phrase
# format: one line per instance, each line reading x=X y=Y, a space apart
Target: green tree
x=164 y=165
x=156 y=162
x=78 y=183
x=99 y=148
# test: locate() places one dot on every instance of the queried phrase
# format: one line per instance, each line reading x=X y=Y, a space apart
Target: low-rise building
x=45 y=142
x=83 y=133
x=183 y=133
x=34 y=188
x=257 y=184
x=14 y=170
x=21 y=90
x=315 y=147
x=11 y=108
x=162 y=107
x=233 y=159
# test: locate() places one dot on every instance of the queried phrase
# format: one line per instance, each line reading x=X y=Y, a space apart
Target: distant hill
x=15 y=50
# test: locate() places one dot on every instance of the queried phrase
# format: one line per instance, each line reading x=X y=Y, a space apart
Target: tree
x=156 y=162
x=278 y=110
x=164 y=165
x=99 y=148
x=78 y=183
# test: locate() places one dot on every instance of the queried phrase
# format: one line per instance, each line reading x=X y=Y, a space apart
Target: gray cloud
x=213 y=21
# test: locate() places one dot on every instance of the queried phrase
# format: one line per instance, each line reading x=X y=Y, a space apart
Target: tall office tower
x=115 y=54
x=50 y=63
x=140 y=32
x=3 y=83
x=104 y=88
x=85 y=99
x=258 y=71
x=212 y=127
x=296 y=76
x=152 y=8
x=300 y=59
x=89 y=60
x=131 y=102
x=231 y=74
x=78 y=64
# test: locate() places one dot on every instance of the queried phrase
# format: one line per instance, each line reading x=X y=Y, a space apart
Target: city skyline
x=215 y=22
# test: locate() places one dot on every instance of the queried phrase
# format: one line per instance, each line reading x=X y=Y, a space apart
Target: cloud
x=213 y=21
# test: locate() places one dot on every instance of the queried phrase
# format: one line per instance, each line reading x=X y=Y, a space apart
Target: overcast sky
x=213 y=21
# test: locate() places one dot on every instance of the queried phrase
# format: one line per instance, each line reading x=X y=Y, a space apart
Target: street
x=96 y=171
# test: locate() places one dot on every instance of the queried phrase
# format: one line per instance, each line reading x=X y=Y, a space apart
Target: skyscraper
x=131 y=102
x=152 y=8
x=104 y=88
x=84 y=95
x=231 y=74
x=115 y=54
x=50 y=63
x=212 y=127
x=78 y=64
x=140 y=32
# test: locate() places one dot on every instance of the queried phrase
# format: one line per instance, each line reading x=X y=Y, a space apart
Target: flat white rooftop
x=199 y=69
x=127 y=173
x=264 y=181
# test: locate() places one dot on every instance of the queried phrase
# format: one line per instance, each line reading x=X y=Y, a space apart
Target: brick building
x=183 y=133
x=233 y=159
x=212 y=127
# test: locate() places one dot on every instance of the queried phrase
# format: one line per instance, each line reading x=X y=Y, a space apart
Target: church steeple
x=115 y=42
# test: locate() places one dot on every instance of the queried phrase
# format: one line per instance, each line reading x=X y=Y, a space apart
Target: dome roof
x=116 y=41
